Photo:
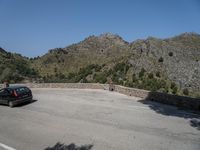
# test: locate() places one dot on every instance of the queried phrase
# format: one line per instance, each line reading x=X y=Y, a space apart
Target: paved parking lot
x=107 y=120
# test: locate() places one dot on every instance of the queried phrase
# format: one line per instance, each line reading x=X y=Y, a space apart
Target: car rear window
x=22 y=90
x=10 y=90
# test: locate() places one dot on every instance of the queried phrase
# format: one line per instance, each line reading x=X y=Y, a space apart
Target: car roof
x=15 y=87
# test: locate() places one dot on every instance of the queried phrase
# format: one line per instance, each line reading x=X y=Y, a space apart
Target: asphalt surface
x=107 y=120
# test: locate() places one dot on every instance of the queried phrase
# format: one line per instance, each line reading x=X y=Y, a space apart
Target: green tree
x=142 y=72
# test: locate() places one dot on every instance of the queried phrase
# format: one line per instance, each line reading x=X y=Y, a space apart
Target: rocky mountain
x=169 y=65
x=103 y=49
x=177 y=58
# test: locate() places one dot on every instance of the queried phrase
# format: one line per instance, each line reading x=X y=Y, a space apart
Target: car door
x=4 y=96
x=1 y=95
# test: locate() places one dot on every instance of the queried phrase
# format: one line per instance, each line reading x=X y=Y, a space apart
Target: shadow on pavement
x=167 y=110
x=26 y=103
x=195 y=123
x=72 y=146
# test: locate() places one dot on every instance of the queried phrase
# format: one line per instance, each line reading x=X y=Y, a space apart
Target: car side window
x=3 y=91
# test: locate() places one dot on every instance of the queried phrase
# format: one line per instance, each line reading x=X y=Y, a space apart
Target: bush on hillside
x=185 y=91
x=121 y=67
x=158 y=74
x=142 y=72
x=100 y=77
x=161 y=59
x=170 y=54
x=150 y=76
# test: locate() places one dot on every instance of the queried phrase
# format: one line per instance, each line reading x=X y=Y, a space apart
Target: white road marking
x=5 y=147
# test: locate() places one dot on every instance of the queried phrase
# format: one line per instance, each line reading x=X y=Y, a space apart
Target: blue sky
x=32 y=27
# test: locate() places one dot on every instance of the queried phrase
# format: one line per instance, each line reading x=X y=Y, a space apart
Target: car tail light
x=14 y=93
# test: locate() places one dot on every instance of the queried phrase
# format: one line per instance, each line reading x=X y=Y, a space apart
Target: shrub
x=185 y=91
x=134 y=78
x=100 y=77
x=55 y=69
x=160 y=59
x=142 y=72
x=151 y=76
x=166 y=89
x=85 y=80
x=129 y=84
x=114 y=78
x=158 y=74
x=121 y=67
x=170 y=54
x=153 y=84
x=71 y=75
x=108 y=72
x=97 y=68
x=174 y=89
x=8 y=55
x=83 y=73
x=61 y=76
x=173 y=85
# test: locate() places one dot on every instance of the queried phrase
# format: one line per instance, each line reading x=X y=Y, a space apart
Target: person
x=111 y=85
x=6 y=84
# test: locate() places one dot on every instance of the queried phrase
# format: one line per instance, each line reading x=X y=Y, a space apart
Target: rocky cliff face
x=176 y=58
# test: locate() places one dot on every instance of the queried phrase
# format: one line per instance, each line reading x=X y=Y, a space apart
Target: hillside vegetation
x=15 y=68
x=168 y=65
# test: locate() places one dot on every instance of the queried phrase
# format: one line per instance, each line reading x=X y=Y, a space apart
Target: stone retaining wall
x=179 y=101
x=131 y=91
x=65 y=85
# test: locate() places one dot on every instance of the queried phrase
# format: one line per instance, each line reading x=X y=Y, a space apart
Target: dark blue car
x=15 y=95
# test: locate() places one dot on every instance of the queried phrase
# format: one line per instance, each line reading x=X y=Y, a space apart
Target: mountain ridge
x=169 y=65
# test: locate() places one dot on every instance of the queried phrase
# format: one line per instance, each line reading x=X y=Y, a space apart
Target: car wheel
x=11 y=104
